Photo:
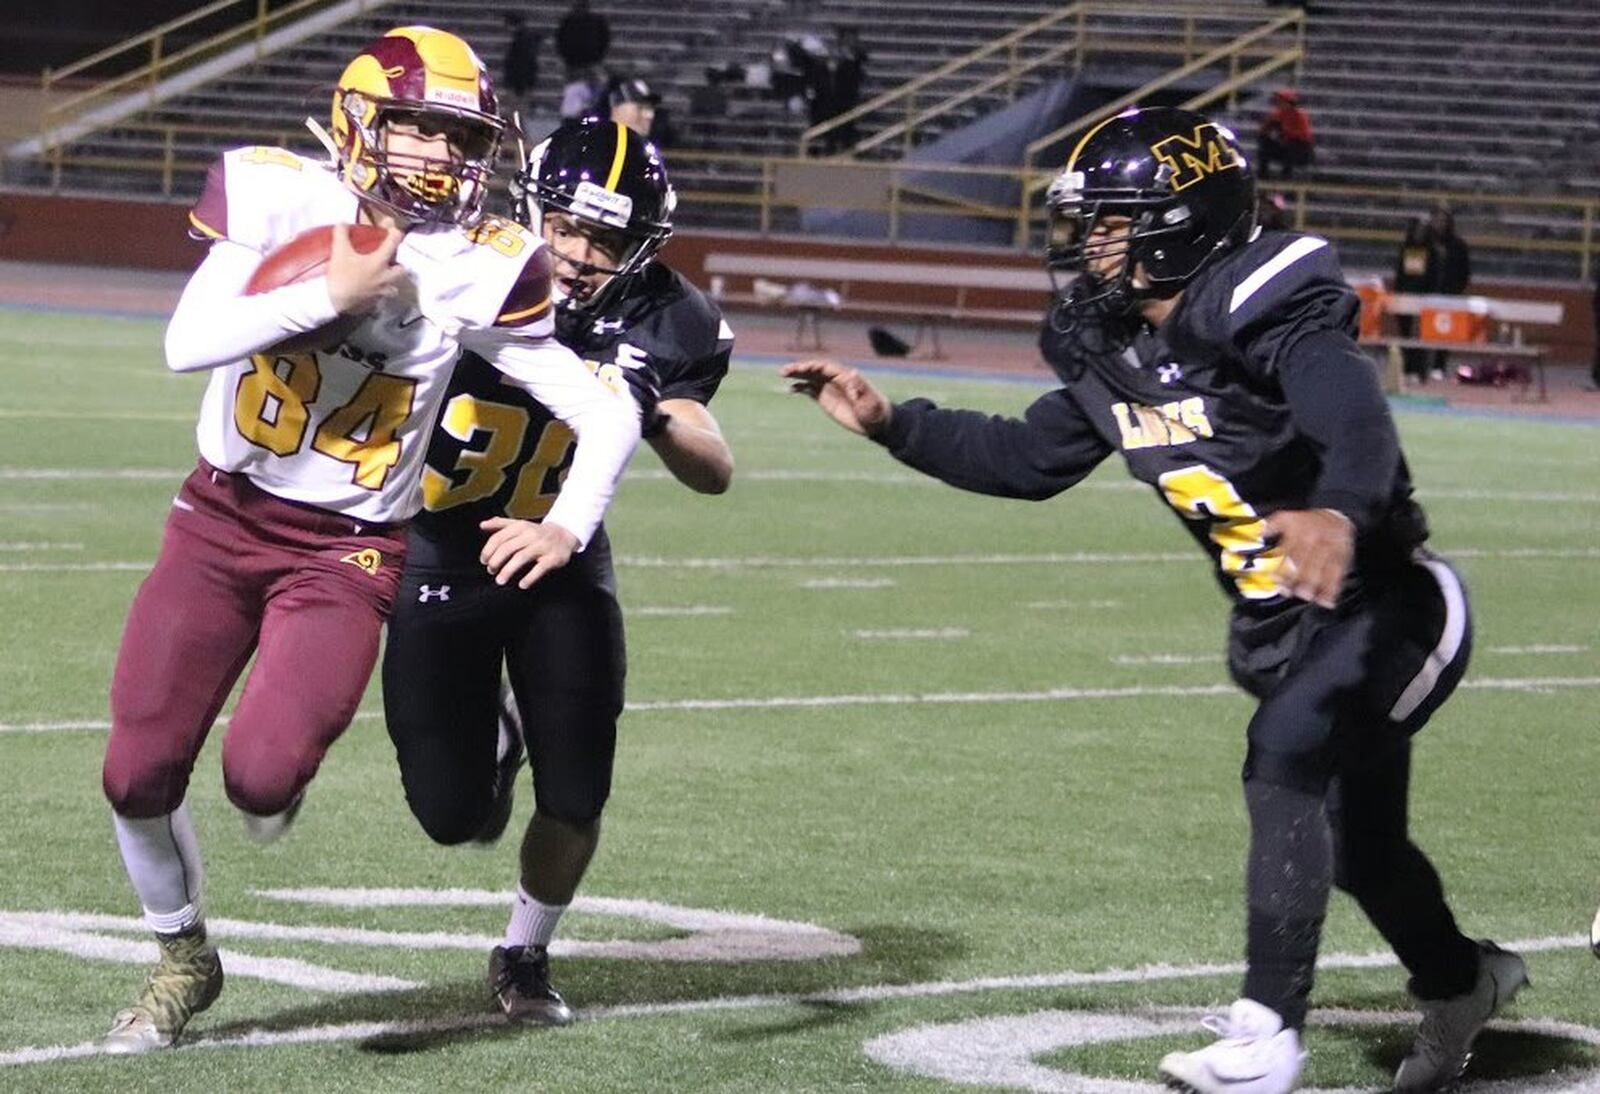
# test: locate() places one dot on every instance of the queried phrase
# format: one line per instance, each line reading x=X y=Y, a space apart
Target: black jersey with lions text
x=497 y=452
x=1252 y=397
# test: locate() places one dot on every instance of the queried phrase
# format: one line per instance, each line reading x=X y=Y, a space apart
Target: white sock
x=162 y=857
x=532 y=923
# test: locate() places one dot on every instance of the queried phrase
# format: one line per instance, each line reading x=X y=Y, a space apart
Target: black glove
x=646 y=388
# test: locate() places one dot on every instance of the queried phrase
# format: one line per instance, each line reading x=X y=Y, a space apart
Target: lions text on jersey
x=1199 y=411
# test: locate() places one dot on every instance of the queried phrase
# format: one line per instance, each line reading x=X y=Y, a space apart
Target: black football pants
x=561 y=645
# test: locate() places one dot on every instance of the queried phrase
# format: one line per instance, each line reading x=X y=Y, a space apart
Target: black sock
x=1289 y=873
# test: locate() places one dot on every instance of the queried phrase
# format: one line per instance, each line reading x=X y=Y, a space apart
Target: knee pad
x=144 y=789
x=577 y=806
x=1308 y=772
x=449 y=819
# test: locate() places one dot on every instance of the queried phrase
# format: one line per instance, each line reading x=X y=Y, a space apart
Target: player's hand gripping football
x=1317 y=545
x=842 y=394
x=517 y=544
x=357 y=281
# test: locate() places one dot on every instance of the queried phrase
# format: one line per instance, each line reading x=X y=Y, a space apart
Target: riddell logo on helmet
x=1193 y=158
x=450 y=96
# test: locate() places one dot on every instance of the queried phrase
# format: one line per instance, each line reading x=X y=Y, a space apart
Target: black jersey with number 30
x=497 y=452
x=1252 y=397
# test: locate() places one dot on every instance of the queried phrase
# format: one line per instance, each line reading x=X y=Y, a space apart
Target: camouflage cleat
x=519 y=978
x=1444 y=1039
x=186 y=981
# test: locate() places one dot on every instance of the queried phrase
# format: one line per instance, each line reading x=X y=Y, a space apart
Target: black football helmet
x=603 y=173
x=1186 y=189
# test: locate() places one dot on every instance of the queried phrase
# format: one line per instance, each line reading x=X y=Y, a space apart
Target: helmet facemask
x=606 y=218
x=420 y=188
x=1083 y=246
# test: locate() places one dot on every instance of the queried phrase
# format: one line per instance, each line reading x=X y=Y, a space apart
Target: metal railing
x=152 y=59
x=1073 y=33
x=897 y=190
x=1230 y=52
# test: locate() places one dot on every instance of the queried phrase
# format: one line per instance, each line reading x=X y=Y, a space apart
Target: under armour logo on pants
x=426 y=593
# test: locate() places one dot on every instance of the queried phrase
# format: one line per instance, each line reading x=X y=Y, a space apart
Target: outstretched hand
x=842 y=393
x=1317 y=545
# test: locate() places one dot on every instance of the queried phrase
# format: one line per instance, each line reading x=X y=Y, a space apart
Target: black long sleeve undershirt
x=1037 y=456
x=1335 y=400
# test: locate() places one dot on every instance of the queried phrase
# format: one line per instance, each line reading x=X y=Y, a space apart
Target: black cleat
x=519 y=978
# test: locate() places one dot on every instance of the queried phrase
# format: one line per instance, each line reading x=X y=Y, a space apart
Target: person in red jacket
x=1285 y=135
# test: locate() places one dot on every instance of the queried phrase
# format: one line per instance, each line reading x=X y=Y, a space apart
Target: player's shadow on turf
x=1497 y=1054
x=461 y=1010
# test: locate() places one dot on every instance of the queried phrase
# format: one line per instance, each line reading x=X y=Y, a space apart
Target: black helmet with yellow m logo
x=1164 y=190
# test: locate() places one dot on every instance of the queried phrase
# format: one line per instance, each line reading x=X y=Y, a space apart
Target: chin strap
x=324 y=138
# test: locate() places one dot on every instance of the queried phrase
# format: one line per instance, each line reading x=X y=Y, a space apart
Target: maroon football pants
x=242 y=571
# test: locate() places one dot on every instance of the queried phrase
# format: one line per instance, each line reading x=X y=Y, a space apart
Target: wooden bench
x=952 y=284
x=1392 y=365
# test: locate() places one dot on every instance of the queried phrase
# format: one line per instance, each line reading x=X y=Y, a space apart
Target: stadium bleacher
x=1415 y=95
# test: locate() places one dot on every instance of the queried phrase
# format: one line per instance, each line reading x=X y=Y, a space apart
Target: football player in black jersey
x=1220 y=361
x=600 y=195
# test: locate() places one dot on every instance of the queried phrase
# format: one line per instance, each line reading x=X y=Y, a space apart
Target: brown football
x=305 y=257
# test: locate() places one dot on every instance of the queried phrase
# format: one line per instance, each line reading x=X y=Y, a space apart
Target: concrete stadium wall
x=154 y=235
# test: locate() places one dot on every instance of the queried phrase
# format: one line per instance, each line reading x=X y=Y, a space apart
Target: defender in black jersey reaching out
x=1220 y=361
x=465 y=614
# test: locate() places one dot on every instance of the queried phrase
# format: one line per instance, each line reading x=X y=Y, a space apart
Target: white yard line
x=24 y=546
x=1532 y=685
x=1166 y=659
x=1538 y=648
x=938 y=633
x=849 y=583
x=1070 y=605
x=97 y=415
x=79 y=474
x=359 y=1031
x=686 y=610
x=775 y=475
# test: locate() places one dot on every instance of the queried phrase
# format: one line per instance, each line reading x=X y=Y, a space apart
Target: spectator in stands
x=633 y=103
x=1414 y=273
x=1594 y=369
x=1451 y=269
x=522 y=63
x=1285 y=136
x=583 y=38
x=833 y=85
x=848 y=65
x=1273 y=213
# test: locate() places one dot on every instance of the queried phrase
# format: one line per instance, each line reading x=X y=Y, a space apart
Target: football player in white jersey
x=287 y=541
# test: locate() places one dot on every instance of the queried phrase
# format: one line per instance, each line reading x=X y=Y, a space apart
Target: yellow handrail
x=162 y=63
x=154 y=34
x=910 y=88
x=908 y=190
x=1076 y=13
x=1117 y=106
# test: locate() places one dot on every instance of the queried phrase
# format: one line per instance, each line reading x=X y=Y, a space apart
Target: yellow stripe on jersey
x=526 y=313
x=205 y=229
x=616 y=161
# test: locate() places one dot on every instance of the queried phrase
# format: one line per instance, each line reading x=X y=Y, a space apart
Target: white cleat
x=1255 y=1055
x=133 y=1032
x=1594 y=935
x=1443 y=1045
x=264 y=830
